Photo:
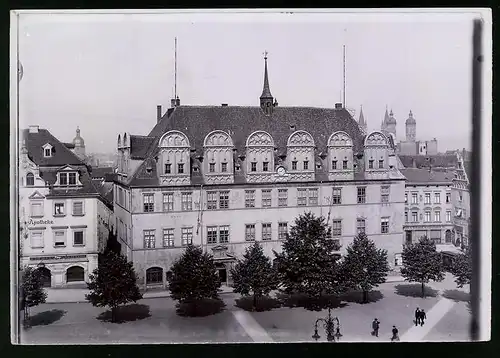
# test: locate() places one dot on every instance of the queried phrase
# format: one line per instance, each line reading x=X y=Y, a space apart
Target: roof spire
x=361 y=116
x=386 y=116
x=266 y=92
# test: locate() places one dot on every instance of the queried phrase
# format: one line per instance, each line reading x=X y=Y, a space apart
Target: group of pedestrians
x=420 y=318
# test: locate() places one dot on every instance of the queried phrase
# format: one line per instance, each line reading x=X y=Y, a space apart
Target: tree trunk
x=365 y=296
x=254 y=302
x=113 y=314
x=423 y=290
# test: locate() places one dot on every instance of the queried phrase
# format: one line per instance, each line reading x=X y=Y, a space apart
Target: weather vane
x=265 y=54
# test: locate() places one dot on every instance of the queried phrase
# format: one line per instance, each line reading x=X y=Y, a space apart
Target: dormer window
x=253 y=166
x=381 y=164
x=294 y=165
x=265 y=166
x=211 y=167
x=370 y=164
x=223 y=167
x=67 y=178
x=344 y=164
x=30 y=179
x=180 y=168
x=47 y=150
x=306 y=164
x=168 y=168
x=334 y=164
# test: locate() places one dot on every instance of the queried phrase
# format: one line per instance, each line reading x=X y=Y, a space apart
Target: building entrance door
x=408 y=239
x=222 y=271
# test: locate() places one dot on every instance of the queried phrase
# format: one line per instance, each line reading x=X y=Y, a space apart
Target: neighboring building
x=389 y=124
x=362 y=123
x=64 y=220
x=412 y=146
x=226 y=176
x=450 y=166
x=99 y=173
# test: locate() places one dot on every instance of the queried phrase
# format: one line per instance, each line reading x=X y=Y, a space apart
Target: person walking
x=417 y=316
x=375 y=326
x=395 y=334
x=423 y=317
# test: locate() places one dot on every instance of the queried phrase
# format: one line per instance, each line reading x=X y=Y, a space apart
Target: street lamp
x=331 y=326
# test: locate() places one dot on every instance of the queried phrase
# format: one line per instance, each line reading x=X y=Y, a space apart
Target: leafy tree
x=113 y=283
x=422 y=263
x=308 y=262
x=255 y=273
x=364 y=265
x=194 y=277
x=461 y=267
x=32 y=290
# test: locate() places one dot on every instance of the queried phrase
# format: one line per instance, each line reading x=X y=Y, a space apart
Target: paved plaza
x=155 y=320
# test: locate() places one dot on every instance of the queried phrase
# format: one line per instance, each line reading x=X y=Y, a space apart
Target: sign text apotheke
x=40 y=222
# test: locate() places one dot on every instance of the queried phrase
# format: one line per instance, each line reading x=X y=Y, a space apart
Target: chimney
x=158 y=113
x=224 y=104
x=177 y=102
x=33 y=129
x=338 y=105
x=172 y=103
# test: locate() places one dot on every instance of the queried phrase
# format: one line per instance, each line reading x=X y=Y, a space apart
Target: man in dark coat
x=417 y=316
x=375 y=326
x=422 y=317
x=395 y=332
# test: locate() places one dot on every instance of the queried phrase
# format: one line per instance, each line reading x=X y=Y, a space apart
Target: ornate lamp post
x=331 y=326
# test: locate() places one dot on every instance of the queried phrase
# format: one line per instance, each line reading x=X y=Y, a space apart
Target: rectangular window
x=168 y=201
x=180 y=168
x=187 y=201
x=187 y=235
x=211 y=200
x=448 y=216
x=294 y=165
x=168 y=168
x=36 y=208
x=370 y=164
x=266 y=198
x=437 y=216
x=344 y=164
x=266 y=232
x=427 y=198
x=406 y=216
x=360 y=225
x=211 y=234
x=265 y=166
x=384 y=225
x=250 y=232
x=414 y=217
x=36 y=239
x=361 y=194
x=211 y=167
x=437 y=198
x=59 y=209
x=301 y=197
x=282 y=231
x=47 y=153
x=149 y=203
x=78 y=208
x=436 y=236
x=306 y=164
x=224 y=199
x=427 y=216
x=337 y=196
x=224 y=234
x=313 y=196
x=168 y=237
x=59 y=238
x=448 y=198
x=384 y=193
x=381 y=164
x=253 y=166
x=406 y=198
x=282 y=197
x=72 y=178
x=223 y=167
x=414 y=198
x=249 y=198
x=334 y=164
x=78 y=238
x=149 y=239
x=63 y=178
x=336 y=228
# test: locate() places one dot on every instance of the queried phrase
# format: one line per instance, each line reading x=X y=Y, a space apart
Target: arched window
x=259 y=156
x=300 y=153
x=376 y=155
x=45 y=276
x=174 y=163
x=154 y=275
x=448 y=237
x=75 y=274
x=30 y=179
x=218 y=157
x=340 y=156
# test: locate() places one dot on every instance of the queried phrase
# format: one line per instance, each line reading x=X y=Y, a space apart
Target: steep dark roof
x=61 y=155
x=139 y=146
x=100 y=172
x=88 y=186
x=415 y=175
x=69 y=145
x=423 y=161
x=198 y=121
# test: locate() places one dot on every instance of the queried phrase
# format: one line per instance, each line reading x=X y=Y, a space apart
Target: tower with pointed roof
x=266 y=98
x=362 y=122
x=411 y=128
x=79 y=144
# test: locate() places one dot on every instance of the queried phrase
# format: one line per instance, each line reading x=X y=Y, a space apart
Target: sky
x=106 y=73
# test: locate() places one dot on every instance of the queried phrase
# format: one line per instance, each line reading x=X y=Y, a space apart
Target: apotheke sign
x=32 y=222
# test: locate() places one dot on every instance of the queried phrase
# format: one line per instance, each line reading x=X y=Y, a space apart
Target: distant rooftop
x=421 y=176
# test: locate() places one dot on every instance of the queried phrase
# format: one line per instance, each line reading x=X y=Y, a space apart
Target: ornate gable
x=376 y=139
x=300 y=138
x=36 y=196
x=340 y=139
x=218 y=138
x=259 y=139
x=174 y=139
